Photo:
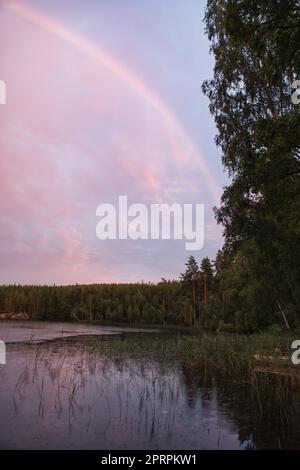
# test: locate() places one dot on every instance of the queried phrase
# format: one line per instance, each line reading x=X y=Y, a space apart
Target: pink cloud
x=72 y=136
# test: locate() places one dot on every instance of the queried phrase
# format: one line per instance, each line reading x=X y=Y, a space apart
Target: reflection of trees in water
x=76 y=382
x=265 y=409
x=108 y=394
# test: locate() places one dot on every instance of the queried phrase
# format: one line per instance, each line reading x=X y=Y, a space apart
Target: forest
x=217 y=296
x=168 y=302
x=254 y=282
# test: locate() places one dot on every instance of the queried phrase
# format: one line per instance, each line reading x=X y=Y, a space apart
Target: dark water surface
x=69 y=394
x=38 y=331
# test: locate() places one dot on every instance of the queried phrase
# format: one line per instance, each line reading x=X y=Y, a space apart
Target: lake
x=72 y=386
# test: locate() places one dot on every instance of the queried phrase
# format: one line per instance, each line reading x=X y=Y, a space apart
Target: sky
x=102 y=99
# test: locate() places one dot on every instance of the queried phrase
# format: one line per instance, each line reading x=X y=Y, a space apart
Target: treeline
x=218 y=295
x=168 y=302
x=191 y=300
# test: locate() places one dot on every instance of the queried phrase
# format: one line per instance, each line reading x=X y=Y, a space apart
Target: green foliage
x=162 y=303
x=257 y=58
x=192 y=272
x=226 y=327
x=211 y=313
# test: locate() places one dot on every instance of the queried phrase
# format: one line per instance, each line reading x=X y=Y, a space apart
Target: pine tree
x=207 y=277
x=191 y=277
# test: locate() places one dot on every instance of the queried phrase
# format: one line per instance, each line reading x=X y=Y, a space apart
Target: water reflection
x=68 y=395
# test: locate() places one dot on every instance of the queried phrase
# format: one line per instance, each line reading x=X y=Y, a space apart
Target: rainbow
x=181 y=143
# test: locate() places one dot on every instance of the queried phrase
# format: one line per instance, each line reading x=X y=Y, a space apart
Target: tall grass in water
x=240 y=356
x=142 y=381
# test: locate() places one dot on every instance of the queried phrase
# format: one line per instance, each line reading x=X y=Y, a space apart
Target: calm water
x=35 y=331
x=67 y=394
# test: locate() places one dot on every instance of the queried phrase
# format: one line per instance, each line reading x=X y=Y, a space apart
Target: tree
x=207 y=277
x=257 y=58
x=191 y=275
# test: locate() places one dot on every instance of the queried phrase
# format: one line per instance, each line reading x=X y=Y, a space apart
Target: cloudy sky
x=103 y=99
